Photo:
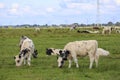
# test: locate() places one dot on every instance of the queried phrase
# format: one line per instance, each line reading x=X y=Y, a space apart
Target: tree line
x=63 y=25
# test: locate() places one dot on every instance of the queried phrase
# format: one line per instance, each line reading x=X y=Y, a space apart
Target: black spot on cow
x=64 y=54
x=18 y=61
x=19 y=56
x=49 y=51
x=84 y=31
x=24 y=51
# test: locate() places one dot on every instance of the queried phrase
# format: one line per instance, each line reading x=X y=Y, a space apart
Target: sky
x=17 y=12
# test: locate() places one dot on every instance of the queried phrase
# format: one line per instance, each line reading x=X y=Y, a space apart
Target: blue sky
x=17 y=12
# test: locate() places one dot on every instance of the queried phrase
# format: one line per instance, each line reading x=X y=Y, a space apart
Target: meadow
x=45 y=67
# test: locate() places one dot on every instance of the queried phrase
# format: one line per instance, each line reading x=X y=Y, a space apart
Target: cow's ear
x=67 y=52
x=60 y=51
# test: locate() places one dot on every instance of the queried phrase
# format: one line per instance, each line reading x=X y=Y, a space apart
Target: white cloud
x=2 y=5
x=14 y=9
x=50 y=9
x=117 y=2
x=105 y=1
x=27 y=9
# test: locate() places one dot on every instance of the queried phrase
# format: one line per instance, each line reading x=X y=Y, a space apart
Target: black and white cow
x=53 y=51
x=26 y=51
x=35 y=53
x=60 y=53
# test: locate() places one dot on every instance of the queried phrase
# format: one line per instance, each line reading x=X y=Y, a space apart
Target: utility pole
x=98 y=14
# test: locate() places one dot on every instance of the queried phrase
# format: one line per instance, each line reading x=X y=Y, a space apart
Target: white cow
x=79 y=48
x=26 y=51
x=107 y=30
x=117 y=31
x=37 y=29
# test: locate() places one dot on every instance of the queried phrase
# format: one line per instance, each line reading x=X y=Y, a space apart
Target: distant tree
x=117 y=24
x=110 y=24
x=83 y=25
x=93 y=24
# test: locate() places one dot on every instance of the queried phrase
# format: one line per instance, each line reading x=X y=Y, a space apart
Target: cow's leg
x=76 y=62
x=92 y=58
x=70 y=62
x=25 y=61
x=29 y=59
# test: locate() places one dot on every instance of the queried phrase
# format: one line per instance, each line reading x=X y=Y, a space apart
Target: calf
x=35 y=53
x=26 y=51
x=53 y=51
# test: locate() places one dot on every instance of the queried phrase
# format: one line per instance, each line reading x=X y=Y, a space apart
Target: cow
x=107 y=30
x=88 y=31
x=35 y=53
x=117 y=31
x=37 y=29
x=26 y=51
x=53 y=51
x=78 y=48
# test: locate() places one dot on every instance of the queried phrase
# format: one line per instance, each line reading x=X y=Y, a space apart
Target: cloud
x=14 y=9
x=74 y=7
x=49 y=9
x=2 y=5
x=117 y=2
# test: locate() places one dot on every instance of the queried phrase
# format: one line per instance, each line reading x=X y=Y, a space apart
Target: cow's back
x=28 y=43
x=81 y=48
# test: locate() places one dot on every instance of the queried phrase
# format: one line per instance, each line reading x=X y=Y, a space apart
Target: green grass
x=45 y=67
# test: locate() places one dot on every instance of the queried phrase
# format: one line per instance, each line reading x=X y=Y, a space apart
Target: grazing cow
x=59 y=53
x=107 y=30
x=37 y=29
x=97 y=28
x=117 y=31
x=35 y=53
x=78 y=48
x=87 y=31
x=26 y=51
x=84 y=31
x=53 y=51
x=73 y=27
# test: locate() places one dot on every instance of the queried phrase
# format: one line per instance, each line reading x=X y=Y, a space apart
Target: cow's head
x=62 y=57
x=35 y=53
x=50 y=51
x=19 y=58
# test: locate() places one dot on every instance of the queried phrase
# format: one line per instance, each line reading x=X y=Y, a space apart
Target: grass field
x=45 y=67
